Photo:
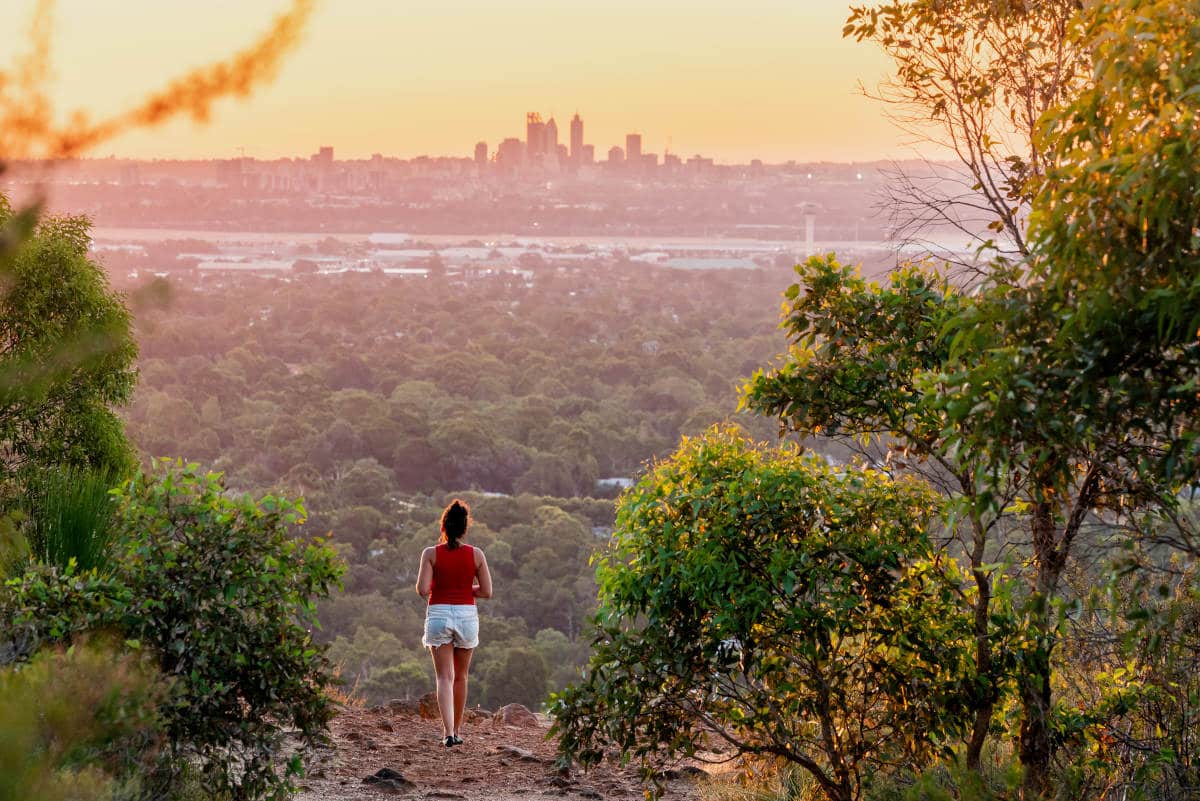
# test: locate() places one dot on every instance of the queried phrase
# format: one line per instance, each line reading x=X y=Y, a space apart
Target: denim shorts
x=451 y=624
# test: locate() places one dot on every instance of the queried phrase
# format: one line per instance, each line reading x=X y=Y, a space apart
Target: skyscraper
x=576 y=139
x=481 y=154
x=551 y=150
x=535 y=136
x=633 y=149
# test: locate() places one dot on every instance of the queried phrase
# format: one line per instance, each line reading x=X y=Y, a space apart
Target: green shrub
x=764 y=597
x=221 y=593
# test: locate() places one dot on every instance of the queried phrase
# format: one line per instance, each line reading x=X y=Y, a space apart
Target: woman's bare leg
x=462 y=664
x=443 y=667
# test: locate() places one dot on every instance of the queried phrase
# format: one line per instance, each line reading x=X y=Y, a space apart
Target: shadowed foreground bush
x=77 y=725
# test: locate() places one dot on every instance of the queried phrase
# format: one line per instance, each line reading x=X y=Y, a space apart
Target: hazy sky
x=736 y=80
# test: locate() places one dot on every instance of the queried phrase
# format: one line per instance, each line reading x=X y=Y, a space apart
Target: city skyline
x=768 y=79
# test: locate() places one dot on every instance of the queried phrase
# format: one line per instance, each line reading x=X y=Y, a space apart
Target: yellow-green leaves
x=767 y=591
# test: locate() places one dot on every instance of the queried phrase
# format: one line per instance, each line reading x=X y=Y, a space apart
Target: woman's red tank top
x=453 y=575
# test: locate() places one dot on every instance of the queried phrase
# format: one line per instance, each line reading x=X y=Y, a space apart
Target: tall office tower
x=576 y=139
x=535 y=136
x=633 y=149
x=551 y=139
x=481 y=154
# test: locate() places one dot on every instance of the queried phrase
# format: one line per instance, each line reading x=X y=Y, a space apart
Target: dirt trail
x=496 y=762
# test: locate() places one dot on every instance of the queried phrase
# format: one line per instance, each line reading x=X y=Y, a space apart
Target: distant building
x=576 y=139
x=376 y=173
x=535 y=136
x=699 y=164
x=563 y=154
x=481 y=154
x=633 y=148
x=616 y=156
x=587 y=154
x=510 y=154
x=551 y=140
x=671 y=161
x=324 y=156
x=649 y=161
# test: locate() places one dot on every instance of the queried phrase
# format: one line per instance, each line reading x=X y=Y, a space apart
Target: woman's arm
x=425 y=574
x=484 y=576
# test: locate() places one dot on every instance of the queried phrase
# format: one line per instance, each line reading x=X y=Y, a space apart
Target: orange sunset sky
x=735 y=80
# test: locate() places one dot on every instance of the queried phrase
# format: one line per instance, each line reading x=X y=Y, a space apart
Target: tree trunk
x=983 y=668
x=1034 y=749
x=1034 y=742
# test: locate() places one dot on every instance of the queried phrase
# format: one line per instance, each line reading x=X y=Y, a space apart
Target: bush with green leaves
x=762 y=598
x=222 y=593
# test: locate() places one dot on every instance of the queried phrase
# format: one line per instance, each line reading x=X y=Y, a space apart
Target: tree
x=960 y=389
x=974 y=77
x=1117 y=242
x=66 y=355
x=760 y=597
x=518 y=677
x=407 y=680
x=862 y=358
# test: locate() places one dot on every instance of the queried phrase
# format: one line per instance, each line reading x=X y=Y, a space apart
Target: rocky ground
x=394 y=750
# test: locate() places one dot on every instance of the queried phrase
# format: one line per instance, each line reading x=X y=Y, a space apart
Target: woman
x=452 y=576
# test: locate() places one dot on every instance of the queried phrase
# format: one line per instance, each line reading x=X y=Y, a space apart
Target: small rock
x=477 y=715
x=516 y=715
x=587 y=792
x=385 y=726
x=519 y=753
x=389 y=781
x=427 y=707
x=403 y=706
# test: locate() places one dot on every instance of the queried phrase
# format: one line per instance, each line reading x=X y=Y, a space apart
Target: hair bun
x=455 y=519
